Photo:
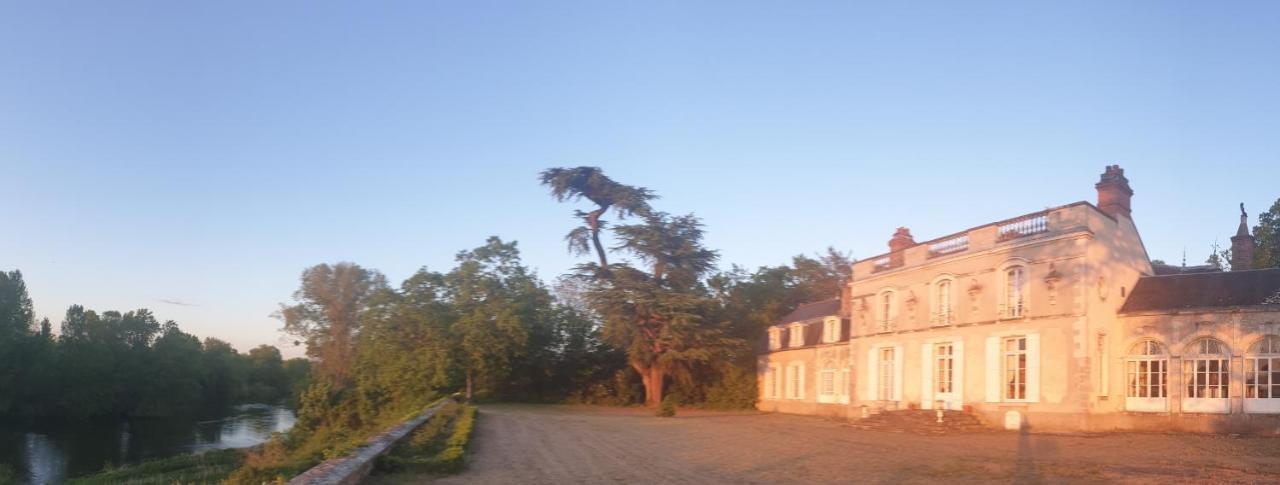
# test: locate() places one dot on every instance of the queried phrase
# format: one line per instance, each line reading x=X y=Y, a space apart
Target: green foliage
x=208 y=467
x=735 y=389
x=1267 y=236
x=438 y=446
x=327 y=310
x=668 y=407
x=114 y=364
x=7 y=475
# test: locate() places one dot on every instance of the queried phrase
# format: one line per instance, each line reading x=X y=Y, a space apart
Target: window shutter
x=789 y=389
x=993 y=369
x=873 y=374
x=957 y=370
x=897 y=372
x=1033 y=367
x=926 y=376
x=800 y=392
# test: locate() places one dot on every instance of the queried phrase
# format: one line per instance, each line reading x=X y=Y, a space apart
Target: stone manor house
x=1055 y=320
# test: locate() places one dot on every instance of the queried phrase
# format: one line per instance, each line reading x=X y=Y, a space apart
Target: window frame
x=1206 y=376
x=1265 y=349
x=1147 y=374
x=886 y=310
x=830 y=329
x=942 y=307
x=1010 y=389
x=796 y=337
x=1023 y=308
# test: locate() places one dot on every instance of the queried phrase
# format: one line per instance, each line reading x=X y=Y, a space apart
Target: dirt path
x=578 y=444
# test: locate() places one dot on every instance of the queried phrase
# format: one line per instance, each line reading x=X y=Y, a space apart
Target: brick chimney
x=900 y=241
x=1114 y=192
x=1242 y=244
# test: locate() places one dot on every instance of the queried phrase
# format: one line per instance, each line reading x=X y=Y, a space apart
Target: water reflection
x=52 y=453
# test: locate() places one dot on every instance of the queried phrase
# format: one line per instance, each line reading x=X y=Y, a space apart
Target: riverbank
x=207 y=467
x=58 y=452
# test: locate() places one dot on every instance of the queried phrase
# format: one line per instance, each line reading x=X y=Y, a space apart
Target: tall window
x=1206 y=372
x=797 y=336
x=944 y=363
x=1262 y=369
x=1015 y=290
x=775 y=338
x=1147 y=371
x=886 y=374
x=942 y=305
x=1015 y=368
x=795 y=381
x=827 y=383
x=886 y=311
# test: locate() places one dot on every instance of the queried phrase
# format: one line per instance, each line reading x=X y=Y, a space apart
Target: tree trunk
x=652 y=376
x=469 y=385
x=593 y=221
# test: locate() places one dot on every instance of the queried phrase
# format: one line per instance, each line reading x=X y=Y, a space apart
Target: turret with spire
x=1242 y=244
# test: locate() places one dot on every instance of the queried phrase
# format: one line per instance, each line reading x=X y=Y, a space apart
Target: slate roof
x=817 y=309
x=1205 y=290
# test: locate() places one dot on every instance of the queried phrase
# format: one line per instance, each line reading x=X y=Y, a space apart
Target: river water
x=52 y=453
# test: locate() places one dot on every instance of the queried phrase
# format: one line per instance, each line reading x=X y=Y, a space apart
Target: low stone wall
x=350 y=469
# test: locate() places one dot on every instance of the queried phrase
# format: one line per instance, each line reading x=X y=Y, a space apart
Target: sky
x=194 y=157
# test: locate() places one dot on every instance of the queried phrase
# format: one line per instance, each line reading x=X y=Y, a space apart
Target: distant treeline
x=114 y=364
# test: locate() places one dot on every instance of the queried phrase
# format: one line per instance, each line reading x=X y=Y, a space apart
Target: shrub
x=668 y=407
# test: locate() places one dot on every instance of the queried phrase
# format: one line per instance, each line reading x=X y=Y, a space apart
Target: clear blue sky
x=204 y=153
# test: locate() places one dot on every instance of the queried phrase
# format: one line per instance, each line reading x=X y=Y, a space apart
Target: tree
x=498 y=304
x=591 y=183
x=327 y=313
x=657 y=314
x=1267 y=236
x=15 y=325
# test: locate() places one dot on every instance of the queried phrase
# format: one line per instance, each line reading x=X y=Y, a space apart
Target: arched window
x=1206 y=370
x=1262 y=375
x=1013 y=291
x=1147 y=370
x=886 y=310
x=943 y=301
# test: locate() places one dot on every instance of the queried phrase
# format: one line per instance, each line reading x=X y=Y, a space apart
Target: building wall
x=814 y=359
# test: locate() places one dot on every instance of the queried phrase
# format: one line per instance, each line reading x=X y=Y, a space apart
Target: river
x=52 y=453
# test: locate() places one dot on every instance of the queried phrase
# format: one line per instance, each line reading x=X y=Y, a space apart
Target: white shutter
x=993 y=369
x=926 y=376
x=800 y=393
x=957 y=371
x=897 y=372
x=1033 y=367
x=873 y=374
x=789 y=388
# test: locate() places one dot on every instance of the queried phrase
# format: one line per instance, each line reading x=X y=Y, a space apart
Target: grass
x=209 y=467
x=438 y=446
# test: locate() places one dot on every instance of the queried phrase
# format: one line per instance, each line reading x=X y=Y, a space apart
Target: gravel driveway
x=541 y=444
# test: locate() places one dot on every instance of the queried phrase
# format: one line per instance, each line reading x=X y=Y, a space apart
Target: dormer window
x=775 y=338
x=831 y=329
x=797 y=336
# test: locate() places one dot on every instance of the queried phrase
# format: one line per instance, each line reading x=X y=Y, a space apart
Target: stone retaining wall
x=350 y=469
